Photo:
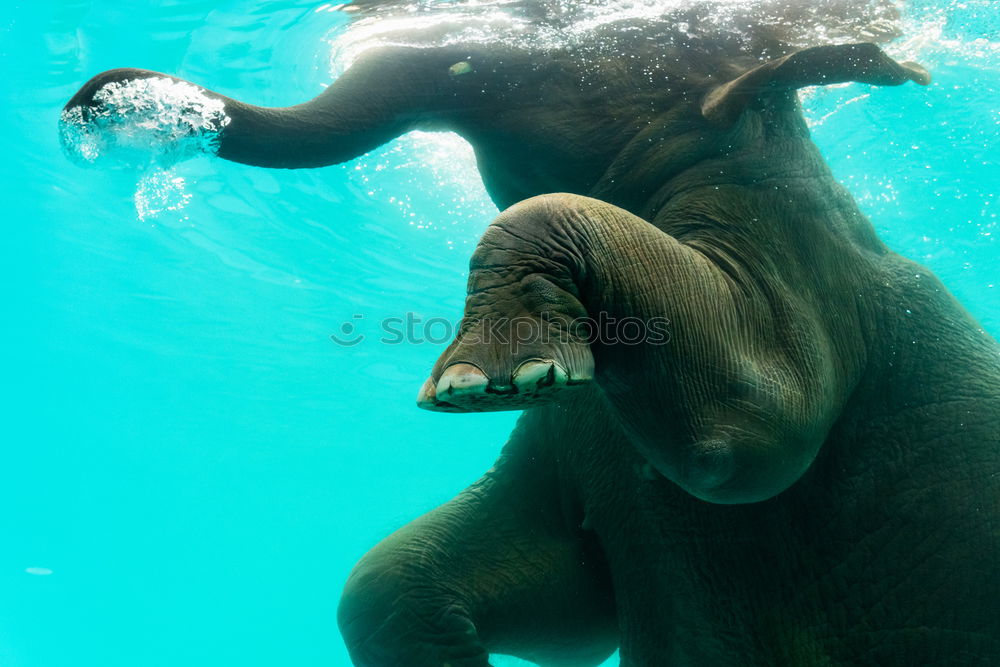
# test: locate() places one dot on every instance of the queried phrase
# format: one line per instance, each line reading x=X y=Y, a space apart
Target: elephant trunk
x=140 y=116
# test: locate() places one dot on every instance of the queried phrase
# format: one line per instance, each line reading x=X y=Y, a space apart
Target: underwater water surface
x=191 y=463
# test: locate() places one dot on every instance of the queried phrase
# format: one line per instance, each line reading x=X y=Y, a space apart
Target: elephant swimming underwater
x=806 y=471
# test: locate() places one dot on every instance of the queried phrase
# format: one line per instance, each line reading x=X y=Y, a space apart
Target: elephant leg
x=732 y=401
x=498 y=569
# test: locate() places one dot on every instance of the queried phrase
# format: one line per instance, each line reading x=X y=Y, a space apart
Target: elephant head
x=696 y=136
x=551 y=109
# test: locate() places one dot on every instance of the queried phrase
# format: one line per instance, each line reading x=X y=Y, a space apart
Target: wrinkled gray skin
x=807 y=473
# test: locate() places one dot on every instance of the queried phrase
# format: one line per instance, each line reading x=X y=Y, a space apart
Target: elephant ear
x=862 y=63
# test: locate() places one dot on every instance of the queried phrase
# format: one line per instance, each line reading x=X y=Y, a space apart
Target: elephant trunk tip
x=138 y=118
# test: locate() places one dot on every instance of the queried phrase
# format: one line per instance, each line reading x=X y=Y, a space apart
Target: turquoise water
x=192 y=464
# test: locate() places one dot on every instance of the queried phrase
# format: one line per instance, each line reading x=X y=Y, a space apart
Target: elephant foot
x=525 y=335
x=465 y=388
x=477 y=376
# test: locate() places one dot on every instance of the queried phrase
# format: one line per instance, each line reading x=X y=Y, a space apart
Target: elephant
x=805 y=468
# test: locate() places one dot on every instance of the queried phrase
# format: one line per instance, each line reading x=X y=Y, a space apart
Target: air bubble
x=158 y=191
x=140 y=123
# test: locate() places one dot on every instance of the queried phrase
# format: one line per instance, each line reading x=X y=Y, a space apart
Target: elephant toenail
x=459 y=380
x=536 y=374
x=427 y=396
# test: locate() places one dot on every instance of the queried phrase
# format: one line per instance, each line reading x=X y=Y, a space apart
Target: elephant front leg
x=725 y=400
x=497 y=569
